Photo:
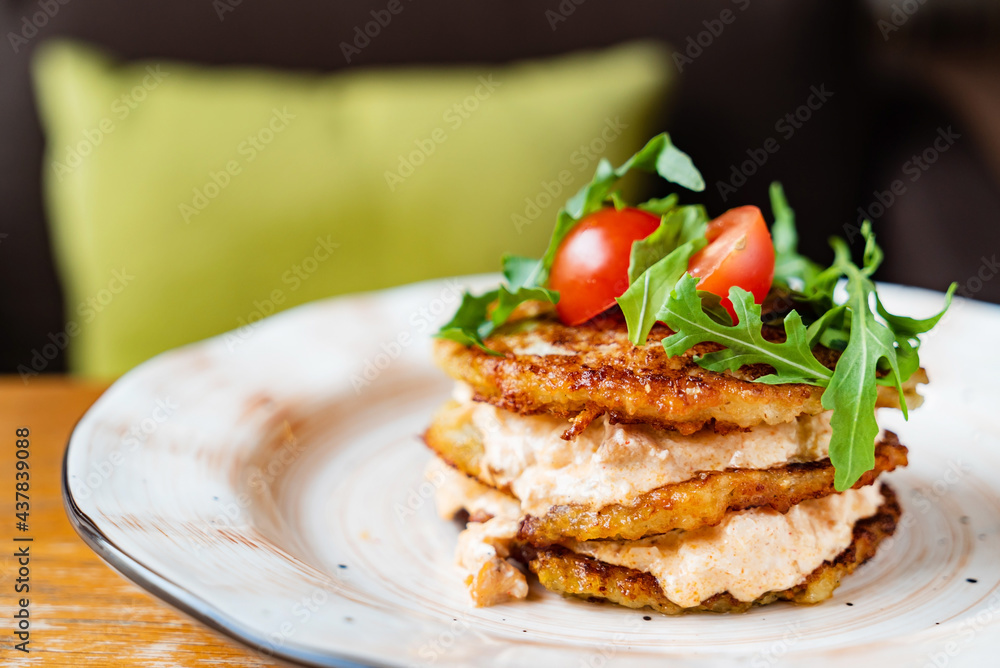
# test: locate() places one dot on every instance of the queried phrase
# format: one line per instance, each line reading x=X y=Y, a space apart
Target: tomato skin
x=590 y=268
x=739 y=252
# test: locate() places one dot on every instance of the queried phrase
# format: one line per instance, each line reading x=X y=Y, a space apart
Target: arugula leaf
x=873 y=254
x=655 y=265
x=518 y=270
x=659 y=155
x=790 y=268
x=520 y=273
x=907 y=331
x=644 y=297
x=711 y=303
x=852 y=391
x=678 y=226
x=878 y=347
x=509 y=300
x=824 y=329
x=659 y=207
x=470 y=324
x=911 y=327
x=526 y=277
x=792 y=360
x=783 y=233
x=564 y=223
x=869 y=345
x=473 y=321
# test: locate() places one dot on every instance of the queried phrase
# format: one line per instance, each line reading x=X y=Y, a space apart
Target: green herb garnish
x=526 y=277
x=877 y=347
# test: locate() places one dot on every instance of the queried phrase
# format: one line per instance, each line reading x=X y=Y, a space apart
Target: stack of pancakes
x=615 y=472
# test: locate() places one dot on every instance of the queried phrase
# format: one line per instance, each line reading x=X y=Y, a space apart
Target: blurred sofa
x=746 y=70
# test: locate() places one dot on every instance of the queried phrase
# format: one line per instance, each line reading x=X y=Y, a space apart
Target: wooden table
x=82 y=612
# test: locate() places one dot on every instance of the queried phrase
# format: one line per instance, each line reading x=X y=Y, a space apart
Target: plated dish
x=283 y=502
x=674 y=413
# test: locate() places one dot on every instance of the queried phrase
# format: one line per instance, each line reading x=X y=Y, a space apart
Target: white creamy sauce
x=455 y=491
x=482 y=553
x=483 y=547
x=484 y=541
x=750 y=553
x=611 y=463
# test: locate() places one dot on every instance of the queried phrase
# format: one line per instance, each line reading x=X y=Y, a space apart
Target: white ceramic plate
x=269 y=483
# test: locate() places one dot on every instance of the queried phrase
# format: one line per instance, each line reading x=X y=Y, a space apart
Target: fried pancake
x=700 y=501
x=583 y=371
x=571 y=574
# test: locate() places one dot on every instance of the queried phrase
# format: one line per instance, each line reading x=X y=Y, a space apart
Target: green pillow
x=187 y=201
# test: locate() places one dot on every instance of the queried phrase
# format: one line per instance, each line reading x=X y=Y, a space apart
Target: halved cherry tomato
x=739 y=252
x=590 y=268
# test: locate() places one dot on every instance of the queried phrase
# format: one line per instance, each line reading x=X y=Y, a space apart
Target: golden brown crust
x=571 y=574
x=700 y=501
x=602 y=372
x=454 y=439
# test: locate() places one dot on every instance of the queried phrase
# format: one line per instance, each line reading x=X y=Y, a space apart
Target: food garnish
x=706 y=280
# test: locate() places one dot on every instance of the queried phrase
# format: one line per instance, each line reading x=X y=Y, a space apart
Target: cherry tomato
x=590 y=268
x=739 y=252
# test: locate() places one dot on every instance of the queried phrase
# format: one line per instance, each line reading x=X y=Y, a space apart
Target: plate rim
x=180 y=597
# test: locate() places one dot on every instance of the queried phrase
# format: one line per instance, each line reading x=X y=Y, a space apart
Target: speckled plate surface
x=269 y=483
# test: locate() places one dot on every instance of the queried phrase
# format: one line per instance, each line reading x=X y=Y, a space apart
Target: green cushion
x=186 y=201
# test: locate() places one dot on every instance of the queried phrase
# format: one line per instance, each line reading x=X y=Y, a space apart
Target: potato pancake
x=592 y=369
x=571 y=574
x=702 y=500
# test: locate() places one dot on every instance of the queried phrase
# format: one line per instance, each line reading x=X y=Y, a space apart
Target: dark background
x=894 y=85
